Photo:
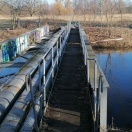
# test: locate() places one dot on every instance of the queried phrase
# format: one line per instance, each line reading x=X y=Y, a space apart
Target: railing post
x=83 y=46
x=95 y=74
x=98 y=102
x=40 y=91
x=88 y=70
x=52 y=65
x=60 y=46
x=57 y=55
x=33 y=102
x=39 y=68
x=44 y=82
x=95 y=92
x=26 y=80
x=103 y=111
x=85 y=57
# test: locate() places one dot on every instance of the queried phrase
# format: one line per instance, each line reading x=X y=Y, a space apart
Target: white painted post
x=103 y=110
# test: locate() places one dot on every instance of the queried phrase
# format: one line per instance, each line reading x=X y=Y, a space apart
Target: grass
x=95 y=34
x=116 y=17
x=6 y=34
x=91 y=27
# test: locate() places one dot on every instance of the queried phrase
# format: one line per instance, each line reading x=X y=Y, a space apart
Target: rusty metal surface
x=69 y=106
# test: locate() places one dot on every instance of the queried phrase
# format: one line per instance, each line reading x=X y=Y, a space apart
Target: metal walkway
x=59 y=83
x=69 y=107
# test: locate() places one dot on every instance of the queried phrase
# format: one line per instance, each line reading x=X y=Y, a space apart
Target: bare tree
x=129 y=6
x=42 y=9
x=68 y=5
x=120 y=8
x=109 y=11
x=15 y=8
x=31 y=6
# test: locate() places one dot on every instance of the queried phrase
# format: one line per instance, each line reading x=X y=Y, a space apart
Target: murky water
x=118 y=69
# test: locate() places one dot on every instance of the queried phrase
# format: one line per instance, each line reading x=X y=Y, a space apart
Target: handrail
x=55 y=56
x=98 y=78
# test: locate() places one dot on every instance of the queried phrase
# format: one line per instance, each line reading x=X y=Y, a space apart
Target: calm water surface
x=118 y=69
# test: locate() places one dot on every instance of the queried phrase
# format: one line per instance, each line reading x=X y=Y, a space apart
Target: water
x=118 y=69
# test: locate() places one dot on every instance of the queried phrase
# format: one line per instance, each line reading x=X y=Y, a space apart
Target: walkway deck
x=69 y=107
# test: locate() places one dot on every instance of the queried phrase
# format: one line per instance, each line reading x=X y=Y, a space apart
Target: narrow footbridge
x=54 y=84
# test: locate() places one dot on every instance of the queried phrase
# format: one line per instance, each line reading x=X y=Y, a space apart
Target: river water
x=118 y=69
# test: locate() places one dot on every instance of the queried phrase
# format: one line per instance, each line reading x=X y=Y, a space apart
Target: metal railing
x=56 y=52
x=97 y=81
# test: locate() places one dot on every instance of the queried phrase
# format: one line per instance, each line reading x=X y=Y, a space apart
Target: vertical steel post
x=44 y=82
x=40 y=90
x=33 y=102
x=103 y=110
x=52 y=65
x=101 y=85
x=98 y=103
x=98 y=93
x=95 y=90
x=39 y=68
x=57 y=55
x=26 y=80
x=88 y=69
x=85 y=56
x=83 y=46
x=95 y=74
x=60 y=46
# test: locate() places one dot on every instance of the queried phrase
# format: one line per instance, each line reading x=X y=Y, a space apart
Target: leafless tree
x=42 y=9
x=109 y=11
x=15 y=8
x=120 y=4
x=31 y=6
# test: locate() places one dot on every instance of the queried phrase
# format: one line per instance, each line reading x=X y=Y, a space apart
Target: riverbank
x=116 y=38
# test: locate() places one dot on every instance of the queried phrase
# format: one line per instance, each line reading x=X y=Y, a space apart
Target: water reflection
x=118 y=69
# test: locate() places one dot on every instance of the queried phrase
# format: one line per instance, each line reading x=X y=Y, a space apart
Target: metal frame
x=99 y=93
x=42 y=84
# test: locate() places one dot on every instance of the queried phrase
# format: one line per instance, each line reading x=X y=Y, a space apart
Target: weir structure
x=57 y=81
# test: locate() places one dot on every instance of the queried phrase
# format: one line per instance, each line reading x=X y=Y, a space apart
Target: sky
x=50 y=1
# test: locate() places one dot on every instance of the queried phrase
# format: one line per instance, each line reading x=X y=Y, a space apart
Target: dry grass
x=95 y=34
x=116 y=17
x=6 y=34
